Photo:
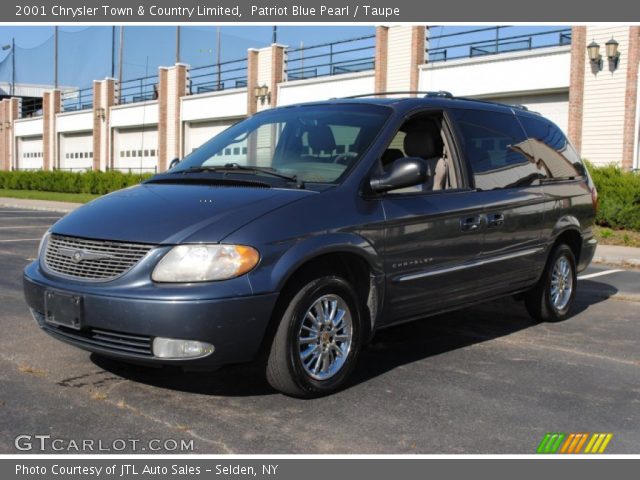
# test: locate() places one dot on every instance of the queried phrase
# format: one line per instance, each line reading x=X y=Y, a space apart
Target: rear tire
x=318 y=339
x=552 y=297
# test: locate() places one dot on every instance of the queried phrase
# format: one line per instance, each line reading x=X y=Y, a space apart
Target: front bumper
x=124 y=327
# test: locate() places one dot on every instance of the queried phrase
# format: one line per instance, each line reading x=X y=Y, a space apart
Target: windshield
x=315 y=143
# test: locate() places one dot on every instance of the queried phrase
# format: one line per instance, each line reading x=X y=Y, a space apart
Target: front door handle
x=469 y=224
x=495 y=220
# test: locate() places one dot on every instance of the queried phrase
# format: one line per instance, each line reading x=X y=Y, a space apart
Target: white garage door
x=76 y=151
x=197 y=133
x=136 y=150
x=554 y=106
x=29 y=153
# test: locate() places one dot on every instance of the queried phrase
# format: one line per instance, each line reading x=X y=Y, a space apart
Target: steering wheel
x=344 y=158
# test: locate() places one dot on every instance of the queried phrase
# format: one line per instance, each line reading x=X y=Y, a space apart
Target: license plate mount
x=63 y=309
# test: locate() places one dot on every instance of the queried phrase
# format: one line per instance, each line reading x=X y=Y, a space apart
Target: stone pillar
x=631 y=99
x=172 y=87
x=576 y=84
x=104 y=97
x=51 y=106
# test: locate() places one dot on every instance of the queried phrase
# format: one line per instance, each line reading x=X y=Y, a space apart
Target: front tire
x=552 y=298
x=318 y=339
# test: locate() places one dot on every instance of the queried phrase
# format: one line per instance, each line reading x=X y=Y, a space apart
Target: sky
x=85 y=53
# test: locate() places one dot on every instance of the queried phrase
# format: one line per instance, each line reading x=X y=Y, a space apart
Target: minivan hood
x=169 y=213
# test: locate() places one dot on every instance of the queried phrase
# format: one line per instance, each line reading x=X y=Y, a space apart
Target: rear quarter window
x=553 y=151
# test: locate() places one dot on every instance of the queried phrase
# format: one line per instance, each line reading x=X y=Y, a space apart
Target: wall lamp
x=100 y=113
x=593 y=50
x=611 y=50
x=263 y=94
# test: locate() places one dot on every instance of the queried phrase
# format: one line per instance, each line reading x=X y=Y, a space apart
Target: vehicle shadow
x=389 y=349
x=415 y=341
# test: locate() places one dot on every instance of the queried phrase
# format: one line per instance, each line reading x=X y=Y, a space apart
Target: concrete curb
x=38 y=205
x=629 y=262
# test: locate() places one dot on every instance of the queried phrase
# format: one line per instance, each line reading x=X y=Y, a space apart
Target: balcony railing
x=335 y=58
x=139 y=90
x=220 y=76
x=31 y=107
x=491 y=41
x=74 y=100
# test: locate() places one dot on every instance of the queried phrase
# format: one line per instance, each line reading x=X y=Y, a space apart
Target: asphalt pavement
x=486 y=379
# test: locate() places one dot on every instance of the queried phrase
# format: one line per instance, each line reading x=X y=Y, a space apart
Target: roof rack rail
x=440 y=93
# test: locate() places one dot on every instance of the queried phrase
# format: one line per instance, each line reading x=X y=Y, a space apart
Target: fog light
x=174 y=348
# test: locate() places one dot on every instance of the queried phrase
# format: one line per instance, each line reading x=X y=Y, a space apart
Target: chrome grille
x=95 y=260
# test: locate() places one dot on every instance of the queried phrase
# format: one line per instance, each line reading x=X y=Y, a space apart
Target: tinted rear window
x=497 y=149
x=554 y=154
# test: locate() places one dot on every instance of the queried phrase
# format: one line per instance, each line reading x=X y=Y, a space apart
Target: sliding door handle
x=469 y=224
x=495 y=220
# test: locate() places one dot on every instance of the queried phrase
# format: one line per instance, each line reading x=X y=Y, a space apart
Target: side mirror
x=405 y=172
x=174 y=162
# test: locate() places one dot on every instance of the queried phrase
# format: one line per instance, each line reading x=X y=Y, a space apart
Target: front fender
x=311 y=247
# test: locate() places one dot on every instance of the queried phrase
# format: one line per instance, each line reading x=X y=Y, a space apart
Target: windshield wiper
x=230 y=167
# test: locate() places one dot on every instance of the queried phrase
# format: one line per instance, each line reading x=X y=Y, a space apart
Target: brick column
x=252 y=80
x=172 y=87
x=576 y=84
x=104 y=97
x=631 y=98
x=382 y=48
x=4 y=155
x=277 y=70
x=9 y=113
x=265 y=67
x=51 y=106
x=418 y=45
x=405 y=53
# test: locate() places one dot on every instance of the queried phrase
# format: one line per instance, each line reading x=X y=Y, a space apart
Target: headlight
x=204 y=263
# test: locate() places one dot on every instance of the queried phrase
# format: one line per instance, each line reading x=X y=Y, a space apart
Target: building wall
x=498 y=75
x=604 y=99
x=324 y=88
x=540 y=79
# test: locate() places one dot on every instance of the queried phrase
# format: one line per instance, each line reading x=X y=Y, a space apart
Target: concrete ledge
x=44 y=205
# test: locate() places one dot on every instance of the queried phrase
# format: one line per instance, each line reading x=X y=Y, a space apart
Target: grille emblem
x=78 y=256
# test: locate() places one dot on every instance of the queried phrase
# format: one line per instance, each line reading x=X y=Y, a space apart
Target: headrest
x=390 y=155
x=321 y=139
x=423 y=140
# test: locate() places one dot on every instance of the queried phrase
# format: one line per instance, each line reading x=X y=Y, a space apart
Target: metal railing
x=335 y=58
x=80 y=99
x=139 y=90
x=491 y=41
x=219 y=76
x=31 y=107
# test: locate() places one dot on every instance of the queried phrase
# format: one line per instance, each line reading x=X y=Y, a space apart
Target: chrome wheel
x=325 y=337
x=561 y=286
